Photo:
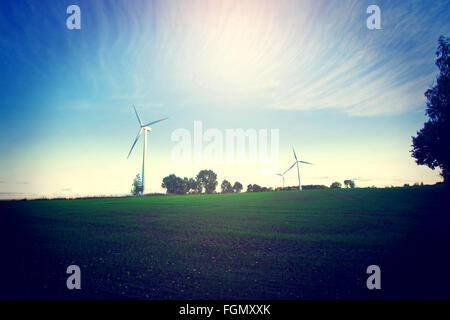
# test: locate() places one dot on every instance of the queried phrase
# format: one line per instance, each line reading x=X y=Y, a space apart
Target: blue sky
x=346 y=97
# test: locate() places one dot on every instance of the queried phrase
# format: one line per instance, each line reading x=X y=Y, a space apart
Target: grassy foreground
x=313 y=244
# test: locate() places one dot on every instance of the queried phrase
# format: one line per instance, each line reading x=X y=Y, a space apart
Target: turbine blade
x=305 y=162
x=150 y=123
x=135 y=140
x=290 y=168
x=294 y=153
x=139 y=119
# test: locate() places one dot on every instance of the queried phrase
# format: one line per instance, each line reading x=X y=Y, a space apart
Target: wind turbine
x=298 y=170
x=145 y=128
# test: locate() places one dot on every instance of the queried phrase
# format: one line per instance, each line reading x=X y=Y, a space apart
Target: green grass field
x=313 y=244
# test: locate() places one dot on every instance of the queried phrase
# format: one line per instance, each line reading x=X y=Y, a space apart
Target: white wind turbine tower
x=145 y=128
x=298 y=170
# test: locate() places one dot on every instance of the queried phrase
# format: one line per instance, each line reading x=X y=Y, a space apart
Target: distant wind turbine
x=145 y=128
x=298 y=170
x=282 y=176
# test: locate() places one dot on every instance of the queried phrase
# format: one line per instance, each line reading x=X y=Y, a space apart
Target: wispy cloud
x=366 y=72
x=295 y=55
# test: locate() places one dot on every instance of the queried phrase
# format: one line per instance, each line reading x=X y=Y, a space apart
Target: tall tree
x=431 y=146
x=136 y=187
x=208 y=180
x=185 y=185
x=349 y=183
x=226 y=187
x=193 y=186
x=174 y=184
x=237 y=187
x=199 y=186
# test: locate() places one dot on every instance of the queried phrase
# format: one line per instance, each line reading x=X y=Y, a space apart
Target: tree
x=431 y=146
x=136 y=188
x=174 y=184
x=256 y=188
x=194 y=186
x=335 y=185
x=250 y=188
x=226 y=187
x=185 y=185
x=199 y=186
x=237 y=187
x=207 y=180
x=349 y=183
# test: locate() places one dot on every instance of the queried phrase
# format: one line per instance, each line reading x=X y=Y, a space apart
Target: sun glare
x=235 y=48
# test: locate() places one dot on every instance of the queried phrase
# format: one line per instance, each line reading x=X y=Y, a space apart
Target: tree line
x=206 y=182
x=335 y=185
